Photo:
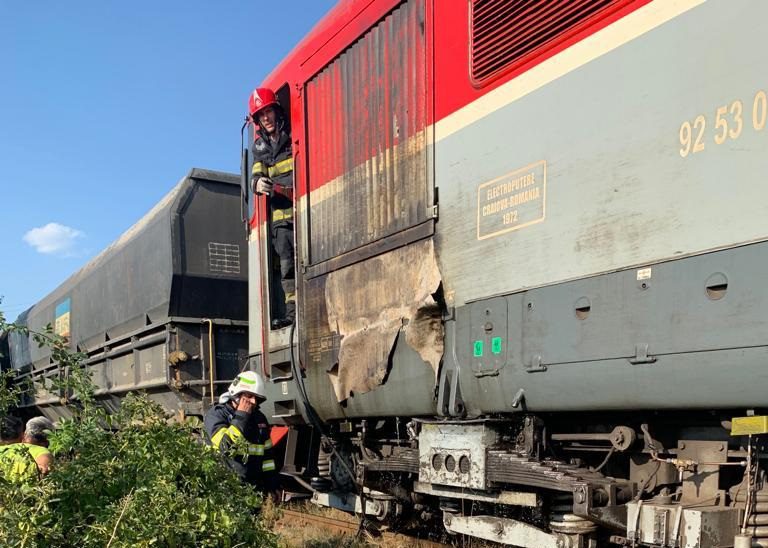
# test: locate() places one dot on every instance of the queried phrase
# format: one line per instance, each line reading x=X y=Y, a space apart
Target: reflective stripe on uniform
x=234 y=432
x=282 y=214
x=255 y=449
x=268 y=465
x=290 y=297
x=218 y=436
x=231 y=431
x=258 y=169
x=283 y=166
x=268 y=444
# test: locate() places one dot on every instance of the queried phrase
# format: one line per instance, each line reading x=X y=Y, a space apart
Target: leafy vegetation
x=129 y=479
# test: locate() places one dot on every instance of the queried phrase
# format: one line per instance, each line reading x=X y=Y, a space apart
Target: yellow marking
x=61 y=325
x=234 y=432
x=604 y=41
x=510 y=191
x=685 y=138
x=699 y=123
x=721 y=125
x=283 y=166
x=217 y=437
x=736 y=110
x=729 y=123
x=257 y=169
x=743 y=426
x=759 y=110
x=282 y=214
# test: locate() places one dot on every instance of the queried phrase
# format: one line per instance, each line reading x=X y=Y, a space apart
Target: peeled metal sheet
x=370 y=302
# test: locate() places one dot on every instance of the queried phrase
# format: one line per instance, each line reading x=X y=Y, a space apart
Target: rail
x=351 y=527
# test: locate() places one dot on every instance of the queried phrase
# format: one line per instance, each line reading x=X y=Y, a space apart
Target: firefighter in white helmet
x=238 y=429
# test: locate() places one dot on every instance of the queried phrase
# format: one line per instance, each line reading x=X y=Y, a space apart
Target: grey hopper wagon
x=162 y=309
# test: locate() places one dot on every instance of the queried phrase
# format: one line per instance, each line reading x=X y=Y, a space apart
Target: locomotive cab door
x=367 y=218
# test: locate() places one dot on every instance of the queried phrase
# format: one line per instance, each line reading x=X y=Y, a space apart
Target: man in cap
x=36 y=439
x=18 y=464
x=240 y=431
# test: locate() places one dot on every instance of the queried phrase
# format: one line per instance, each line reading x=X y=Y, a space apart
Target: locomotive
x=529 y=244
x=162 y=309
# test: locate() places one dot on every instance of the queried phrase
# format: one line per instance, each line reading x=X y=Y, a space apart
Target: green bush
x=130 y=479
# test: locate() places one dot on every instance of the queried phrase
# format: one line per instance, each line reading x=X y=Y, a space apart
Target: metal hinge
x=641 y=355
x=535 y=366
x=432 y=211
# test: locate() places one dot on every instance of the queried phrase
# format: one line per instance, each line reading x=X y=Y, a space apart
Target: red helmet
x=260 y=99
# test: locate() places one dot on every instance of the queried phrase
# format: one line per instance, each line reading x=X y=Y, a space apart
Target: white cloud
x=53 y=239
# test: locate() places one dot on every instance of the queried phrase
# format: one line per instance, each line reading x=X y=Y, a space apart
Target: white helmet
x=248 y=381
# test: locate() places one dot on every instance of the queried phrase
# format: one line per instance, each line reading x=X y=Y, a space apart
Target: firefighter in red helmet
x=272 y=174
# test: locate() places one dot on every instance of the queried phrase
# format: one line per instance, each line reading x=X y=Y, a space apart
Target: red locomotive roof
x=341 y=26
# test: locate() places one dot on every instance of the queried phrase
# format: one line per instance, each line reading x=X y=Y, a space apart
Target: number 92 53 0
x=729 y=123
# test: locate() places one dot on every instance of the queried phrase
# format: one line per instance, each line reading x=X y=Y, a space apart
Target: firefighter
x=238 y=429
x=36 y=440
x=18 y=464
x=272 y=175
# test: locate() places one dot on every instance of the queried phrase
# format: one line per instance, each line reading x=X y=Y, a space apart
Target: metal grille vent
x=507 y=33
x=224 y=258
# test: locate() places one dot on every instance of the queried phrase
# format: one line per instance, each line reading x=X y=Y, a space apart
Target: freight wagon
x=530 y=247
x=163 y=309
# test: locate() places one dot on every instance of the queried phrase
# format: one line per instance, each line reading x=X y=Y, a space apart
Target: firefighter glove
x=263 y=185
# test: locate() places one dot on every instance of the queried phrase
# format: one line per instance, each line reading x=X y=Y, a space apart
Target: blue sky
x=104 y=106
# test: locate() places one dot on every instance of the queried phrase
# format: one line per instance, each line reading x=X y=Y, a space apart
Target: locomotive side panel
x=602 y=189
x=691 y=336
x=582 y=164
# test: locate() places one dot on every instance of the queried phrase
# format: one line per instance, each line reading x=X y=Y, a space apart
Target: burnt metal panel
x=328 y=324
x=366 y=124
x=371 y=302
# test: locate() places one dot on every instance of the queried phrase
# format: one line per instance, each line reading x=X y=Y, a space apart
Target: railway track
x=350 y=527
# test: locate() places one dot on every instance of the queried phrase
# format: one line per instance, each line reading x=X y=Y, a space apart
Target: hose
x=654 y=456
x=605 y=460
x=314 y=418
